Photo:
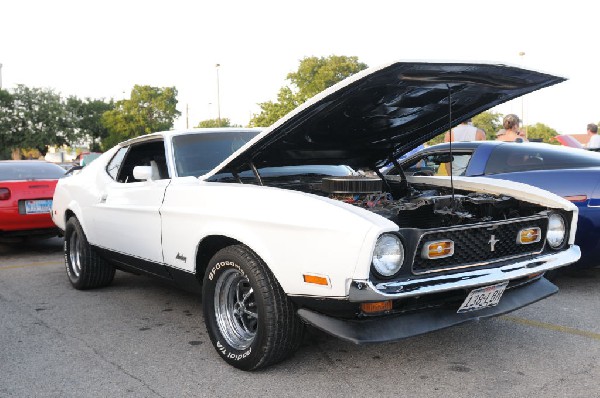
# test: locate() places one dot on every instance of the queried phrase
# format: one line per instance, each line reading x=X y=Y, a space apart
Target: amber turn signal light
x=438 y=249
x=378 y=306
x=315 y=279
x=529 y=235
x=532 y=276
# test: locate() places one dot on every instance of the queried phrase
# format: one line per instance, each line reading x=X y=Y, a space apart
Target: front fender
x=293 y=232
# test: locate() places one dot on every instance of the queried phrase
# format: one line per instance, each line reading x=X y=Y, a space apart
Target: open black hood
x=383 y=112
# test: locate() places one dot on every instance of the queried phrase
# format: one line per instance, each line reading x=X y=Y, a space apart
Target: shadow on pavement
x=37 y=246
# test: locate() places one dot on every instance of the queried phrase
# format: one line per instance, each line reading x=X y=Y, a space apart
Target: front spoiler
x=397 y=327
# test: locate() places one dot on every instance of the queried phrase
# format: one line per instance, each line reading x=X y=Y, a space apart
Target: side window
x=144 y=154
x=459 y=165
x=115 y=164
x=523 y=158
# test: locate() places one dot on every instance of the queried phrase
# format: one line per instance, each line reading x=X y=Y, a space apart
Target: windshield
x=197 y=154
x=29 y=170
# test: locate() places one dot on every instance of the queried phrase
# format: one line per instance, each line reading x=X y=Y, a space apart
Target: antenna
x=450 y=135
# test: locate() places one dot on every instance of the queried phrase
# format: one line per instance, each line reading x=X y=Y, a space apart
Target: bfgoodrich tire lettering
x=250 y=320
x=85 y=269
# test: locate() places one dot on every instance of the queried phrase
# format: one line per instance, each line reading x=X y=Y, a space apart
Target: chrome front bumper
x=400 y=326
x=361 y=291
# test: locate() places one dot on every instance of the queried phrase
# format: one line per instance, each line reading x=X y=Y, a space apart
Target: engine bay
x=414 y=205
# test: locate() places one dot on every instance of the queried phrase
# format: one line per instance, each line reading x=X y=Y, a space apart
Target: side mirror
x=142 y=173
x=442 y=158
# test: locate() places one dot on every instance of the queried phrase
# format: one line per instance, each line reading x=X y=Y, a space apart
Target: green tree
x=490 y=122
x=149 y=109
x=543 y=132
x=313 y=76
x=36 y=119
x=86 y=117
x=7 y=139
x=223 y=122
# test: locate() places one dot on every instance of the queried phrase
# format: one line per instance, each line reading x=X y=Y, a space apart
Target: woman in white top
x=465 y=132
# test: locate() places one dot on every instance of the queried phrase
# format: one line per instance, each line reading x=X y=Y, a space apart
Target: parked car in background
x=26 y=190
x=85 y=158
x=65 y=166
x=571 y=173
x=275 y=231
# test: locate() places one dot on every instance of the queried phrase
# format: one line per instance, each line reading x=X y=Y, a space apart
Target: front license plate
x=38 y=206
x=488 y=296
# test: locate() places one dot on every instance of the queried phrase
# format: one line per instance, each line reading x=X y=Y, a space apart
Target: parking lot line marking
x=550 y=326
x=40 y=264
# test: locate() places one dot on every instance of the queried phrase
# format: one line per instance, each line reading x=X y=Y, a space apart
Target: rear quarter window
x=525 y=157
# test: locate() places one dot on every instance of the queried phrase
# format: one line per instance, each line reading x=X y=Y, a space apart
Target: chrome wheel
x=250 y=320
x=85 y=268
x=235 y=309
x=75 y=253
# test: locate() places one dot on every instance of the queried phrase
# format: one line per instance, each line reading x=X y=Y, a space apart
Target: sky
x=101 y=49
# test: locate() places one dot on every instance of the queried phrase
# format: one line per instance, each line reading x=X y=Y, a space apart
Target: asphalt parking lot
x=142 y=338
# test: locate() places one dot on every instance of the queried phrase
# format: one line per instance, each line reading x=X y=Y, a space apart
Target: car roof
x=507 y=145
x=167 y=135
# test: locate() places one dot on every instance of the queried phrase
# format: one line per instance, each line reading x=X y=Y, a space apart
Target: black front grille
x=473 y=246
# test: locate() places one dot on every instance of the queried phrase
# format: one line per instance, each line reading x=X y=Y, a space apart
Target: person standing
x=594 y=138
x=510 y=132
x=465 y=132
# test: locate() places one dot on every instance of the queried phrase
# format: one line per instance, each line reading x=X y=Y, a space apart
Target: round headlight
x=388 y=255
x=556 y=230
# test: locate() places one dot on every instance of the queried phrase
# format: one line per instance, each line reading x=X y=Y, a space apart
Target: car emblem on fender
x=493 y=242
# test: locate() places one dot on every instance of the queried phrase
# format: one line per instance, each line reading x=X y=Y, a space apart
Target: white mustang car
x=295 y=225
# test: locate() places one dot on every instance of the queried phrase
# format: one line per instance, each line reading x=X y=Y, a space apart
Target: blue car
x=571 y=173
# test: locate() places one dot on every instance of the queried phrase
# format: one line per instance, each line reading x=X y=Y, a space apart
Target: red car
x=568 y=140
x=26 y=190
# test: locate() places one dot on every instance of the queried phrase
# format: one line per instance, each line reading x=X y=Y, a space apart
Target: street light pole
x=218 y=98
x=522 y=54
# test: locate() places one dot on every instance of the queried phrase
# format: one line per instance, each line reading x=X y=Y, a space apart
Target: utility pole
x=0 y=76
x=218 y=98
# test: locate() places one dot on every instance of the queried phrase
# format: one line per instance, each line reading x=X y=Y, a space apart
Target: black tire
x=250 y=320
x=85 y=269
